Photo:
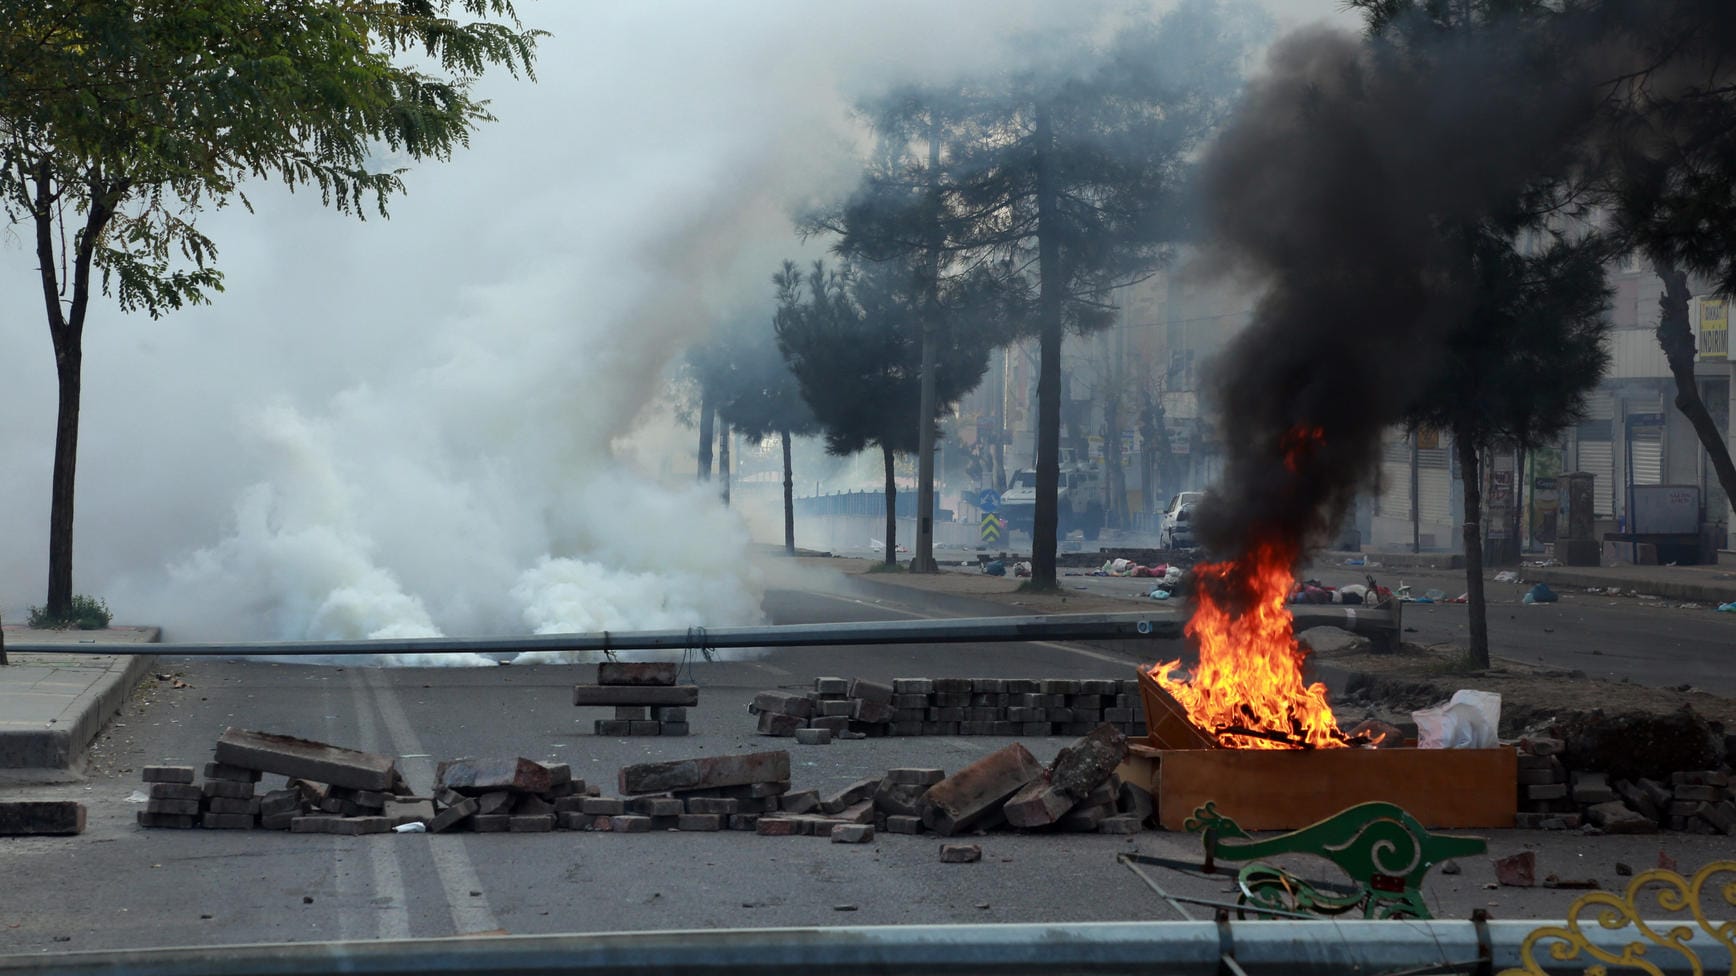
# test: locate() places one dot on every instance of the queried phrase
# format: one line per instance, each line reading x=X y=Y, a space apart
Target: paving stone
x=630 y=824
x=453 y=815
x=1701 y=777
x=474 y=777
x=493 y=802
x=1121 y=823
x=977 y=791
x=645 y=728
x=744 y=821
x=530 y=823
x=713 y=804
x=491 y=823
x=573 y=820
x=175 y=791
x=277 y=821
x=1591 y=788
x=183 y=808
x=166 y=774
x=783 y=703
x=221 y=804
x=832 y=686
x=228 y=788
x=605 y=726
x=240 y=774
x=813 y=737
x=710 y=771
x=632 y=713
x=227 y=821
x=699 y=821
x=415 y=811
x=561 y=774
x=907 y=728
x=636 y=673
x=1550 y=791
x=610 y=695
x=669 y=713
x=780 y=724
x=872 y=712
x=852 y=833
x=673 y=728
x=1085 y=818
x=603 y=806
x=904 y=799
x=305 y=759
x=602 y=825
x=1699 y=794
x=167 y=820
x=657 y=806
x=960 y=853
x=835 y=724
x=1037 y=804
x=570 y=804
x=900 y=824
x=801 y=801
x=778 y=827
x=358 y=826
x=854 y=793
x=912 y=686
x=834 y=708
x=279 y=802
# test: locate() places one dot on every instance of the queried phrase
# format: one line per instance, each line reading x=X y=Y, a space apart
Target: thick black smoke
x=1331 y=186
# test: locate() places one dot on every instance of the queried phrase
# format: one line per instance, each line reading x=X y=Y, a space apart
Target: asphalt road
x=1654 y=642
x=119 y=886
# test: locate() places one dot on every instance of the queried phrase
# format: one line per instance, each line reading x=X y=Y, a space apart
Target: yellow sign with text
x=1714 y=328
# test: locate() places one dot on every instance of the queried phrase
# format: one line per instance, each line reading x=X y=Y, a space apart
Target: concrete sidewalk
x=53 y=705
x=1701 y=584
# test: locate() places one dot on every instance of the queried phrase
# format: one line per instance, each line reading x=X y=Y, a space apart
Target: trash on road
x=1540 y=593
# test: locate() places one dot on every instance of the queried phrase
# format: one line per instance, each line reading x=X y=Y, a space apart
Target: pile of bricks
x=646 y=699
x=1551 y=797
x=840 y=707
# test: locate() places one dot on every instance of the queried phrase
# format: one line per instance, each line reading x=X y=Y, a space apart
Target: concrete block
x=1022 y=686
x=493 y=802
x=645 y=728
x=630 y=824
x=338 y=806
x=219 y=804
x=852 y=833
x=1085 y=702
x=900 y=824
x=175 y=791
x=169 y=820
x=1615 y=818
x=836 y=707
x=951 y=686
x=632 y=713
x=834 y=724
x=227 y=821
x=906 y=728
x=611 y=695
x=977 y=791
x=277 y=821
x=669 y=713
x=561 y=774
x=240 y=774
x=1700 y=794
x=656 y=806
x=674 y=728
x=1100 y=686
x=573 y=820
x=166 y=774
x=491 y=823
x=570 y=804
x=636 y=673
x=452 y=816
x=474 y=777
x=1037 y=804
x=993 y=686
x=813 y=737
x=870 y=691
x=357 y=826
x=414 y=811
x=871 y=712
x=1058 y=686
x=1085 y=818
x=780 y=724
x=227 y=788
x=530 y=823
x=1547 y=791
x=778 y=827
x=604 y=726
x=309 y=824
x=710 y=771
x=862 y=811
x=1591 y=788
x=699 y=821
x=801 y=801
x=713 y=804
x=603 y=806
x=787 y=704
x=912 y=686
x=838 y=687
x=1088 y=763
x=1121 y=823
x=960 y=853
x=183 y=808
x=744 y=821
x=854 y=793
x=305 y=759
x=279 y=802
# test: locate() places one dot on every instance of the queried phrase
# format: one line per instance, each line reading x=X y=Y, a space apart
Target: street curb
x=62 y=748
x=1390 y=560
x=1668 y=589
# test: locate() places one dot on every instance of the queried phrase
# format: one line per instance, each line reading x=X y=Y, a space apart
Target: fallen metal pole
x=1260 y=948
x=1163 y=625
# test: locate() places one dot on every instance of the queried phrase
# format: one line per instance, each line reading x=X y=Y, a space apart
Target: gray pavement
x=53 y=705
x=118 y=885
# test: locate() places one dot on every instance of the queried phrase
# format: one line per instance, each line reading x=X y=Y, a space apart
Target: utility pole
x=723 y=438
x=1416 y=515
x=922 y=556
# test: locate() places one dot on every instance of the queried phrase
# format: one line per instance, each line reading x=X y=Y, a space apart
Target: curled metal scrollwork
x=1612 y=912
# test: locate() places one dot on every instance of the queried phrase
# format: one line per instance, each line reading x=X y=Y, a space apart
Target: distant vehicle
x=1176 y=529
x=1081 y=496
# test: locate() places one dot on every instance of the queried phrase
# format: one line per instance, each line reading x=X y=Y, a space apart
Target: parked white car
x=1176 y=529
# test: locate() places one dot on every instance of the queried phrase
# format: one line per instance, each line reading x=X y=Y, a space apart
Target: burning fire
x=1247 y=691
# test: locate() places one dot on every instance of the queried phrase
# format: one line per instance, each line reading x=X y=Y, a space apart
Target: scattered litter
x=1164 y=595
x=1727 y=607
x=1355 y=561
x=1468 y=720
x=1435 y=596
x=1540 y=593
x=411 y=828
x=995 y=567
x=138 y=796
x=1506 y=576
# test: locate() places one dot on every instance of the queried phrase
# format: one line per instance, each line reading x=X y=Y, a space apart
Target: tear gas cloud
x=413 y=426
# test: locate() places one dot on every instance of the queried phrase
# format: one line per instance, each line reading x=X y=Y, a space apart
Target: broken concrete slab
x=780 y=725
x=976 y=792
x=706 y=773
x=1518 y=870
x=1037 y=804
x=960 y=853
x=1613 y=817
x=305 y=759
x=474 y=777
x=452 y=816
x=1087 y=763
x=849 y=795
x=609 y=695
x=851 y=833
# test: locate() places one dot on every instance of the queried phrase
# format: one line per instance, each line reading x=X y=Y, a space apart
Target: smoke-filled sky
x=412 y=426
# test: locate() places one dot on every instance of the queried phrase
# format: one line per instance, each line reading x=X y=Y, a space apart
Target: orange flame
x=1247 y=691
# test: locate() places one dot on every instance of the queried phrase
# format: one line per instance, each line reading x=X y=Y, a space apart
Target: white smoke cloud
x=411 y=427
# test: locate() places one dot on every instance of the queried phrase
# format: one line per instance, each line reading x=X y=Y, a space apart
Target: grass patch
x=85 y=613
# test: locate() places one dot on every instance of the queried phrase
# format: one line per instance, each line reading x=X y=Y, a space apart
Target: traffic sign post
x=989 y=501
x=991 y=528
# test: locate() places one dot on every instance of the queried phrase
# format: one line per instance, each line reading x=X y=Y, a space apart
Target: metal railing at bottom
x=1206 y=948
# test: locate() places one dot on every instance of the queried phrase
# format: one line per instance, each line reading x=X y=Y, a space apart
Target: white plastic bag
x=414 y=827
x=1468 y=720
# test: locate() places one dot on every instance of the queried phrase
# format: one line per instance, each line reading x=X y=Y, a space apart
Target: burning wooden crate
x=1290 y=788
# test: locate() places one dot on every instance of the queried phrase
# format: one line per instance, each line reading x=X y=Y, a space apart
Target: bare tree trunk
x=1047 y=514
x=891 y=508
x=1677 y=340
x=922 y=557
x=789 y=498
x=723 y=460
x=1475 y=609
x=707 y=432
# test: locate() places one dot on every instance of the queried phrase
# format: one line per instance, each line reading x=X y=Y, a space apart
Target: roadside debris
x=21 y=818
x=646 y=699
x=853 y=707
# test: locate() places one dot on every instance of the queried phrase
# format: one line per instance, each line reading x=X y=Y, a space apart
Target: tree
x=848 y=340
x=126 y=120
x=758 y=396
x=1065 y=179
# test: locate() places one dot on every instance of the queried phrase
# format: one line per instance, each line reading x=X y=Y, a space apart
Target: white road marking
x=389 y=904
x=458 y=877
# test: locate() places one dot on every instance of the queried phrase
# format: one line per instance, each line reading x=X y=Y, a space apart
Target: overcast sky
x=409 y=426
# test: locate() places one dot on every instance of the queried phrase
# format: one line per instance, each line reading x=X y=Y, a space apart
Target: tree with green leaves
x=756 y=394
x=125 y=121
x=849 y=339
x=1065 y=178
